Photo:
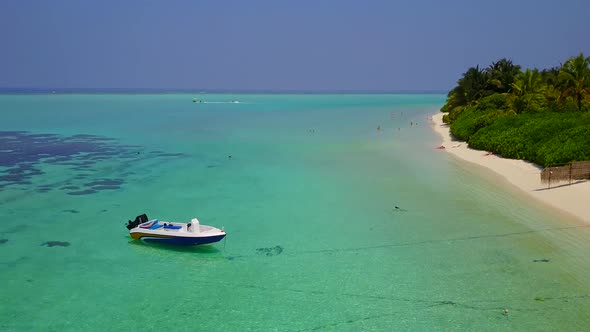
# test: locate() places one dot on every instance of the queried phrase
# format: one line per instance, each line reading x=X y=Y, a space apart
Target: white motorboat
x=192 y=233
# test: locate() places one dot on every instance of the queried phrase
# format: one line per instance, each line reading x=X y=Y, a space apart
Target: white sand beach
x=572 y=199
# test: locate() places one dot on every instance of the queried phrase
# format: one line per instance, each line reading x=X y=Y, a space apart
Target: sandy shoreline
x=525 y=176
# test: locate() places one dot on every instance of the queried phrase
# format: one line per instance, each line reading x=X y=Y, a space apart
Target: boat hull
x=188 y=234
x=178 y=240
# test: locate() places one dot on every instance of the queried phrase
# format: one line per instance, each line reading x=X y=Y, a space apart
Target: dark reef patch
x=99 y=188
x=82 y=192
x=45 y=188
x=56 y=244
x=543 y=260
x=105 y=182
x=70 y=188
x=2 y=241
x=271 y=251
x=71 y=211
x=22 y=155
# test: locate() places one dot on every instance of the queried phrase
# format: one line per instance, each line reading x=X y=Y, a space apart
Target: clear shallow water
x=308 y=173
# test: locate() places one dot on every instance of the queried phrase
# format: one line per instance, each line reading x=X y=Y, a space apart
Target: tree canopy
x=540 y=116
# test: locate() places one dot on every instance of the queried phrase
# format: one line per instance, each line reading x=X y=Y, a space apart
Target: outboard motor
x=138 y=220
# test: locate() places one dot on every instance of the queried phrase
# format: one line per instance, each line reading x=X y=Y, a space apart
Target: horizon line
x=33 y=90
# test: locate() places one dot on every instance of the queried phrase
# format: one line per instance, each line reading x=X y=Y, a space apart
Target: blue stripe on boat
x=186 y=241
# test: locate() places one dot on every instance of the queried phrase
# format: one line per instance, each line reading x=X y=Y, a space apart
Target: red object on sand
x=442 y=147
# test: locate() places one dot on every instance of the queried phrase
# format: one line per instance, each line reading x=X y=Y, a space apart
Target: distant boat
x=192 y=233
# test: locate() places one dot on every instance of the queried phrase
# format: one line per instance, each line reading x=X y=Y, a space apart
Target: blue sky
x=279 y=45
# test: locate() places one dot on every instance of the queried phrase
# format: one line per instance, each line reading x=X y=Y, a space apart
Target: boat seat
x=149 y=224
x=156 y=226
x=172 y=227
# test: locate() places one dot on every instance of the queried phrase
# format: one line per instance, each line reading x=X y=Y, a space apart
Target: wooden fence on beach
x=574 y=171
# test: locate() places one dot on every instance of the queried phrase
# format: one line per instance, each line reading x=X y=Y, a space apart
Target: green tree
x=550 y=76
x=528 y=91
x=474 y=83
x=470 y=87
x=501 y=75
x=574 y=78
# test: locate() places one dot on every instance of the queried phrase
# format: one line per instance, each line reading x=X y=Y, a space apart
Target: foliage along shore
x=539 y=116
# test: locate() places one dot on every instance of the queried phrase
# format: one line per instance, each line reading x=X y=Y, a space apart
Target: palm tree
x=550 y=76
x=528 y=88
x=528 y=82
x=502 y=74
x=575 y=79
x=470 y=88
x=474 y=84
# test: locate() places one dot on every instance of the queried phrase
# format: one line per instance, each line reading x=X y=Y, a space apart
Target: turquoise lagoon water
x=308 y=200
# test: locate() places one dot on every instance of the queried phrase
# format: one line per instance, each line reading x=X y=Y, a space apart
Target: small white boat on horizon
x=192 y=233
